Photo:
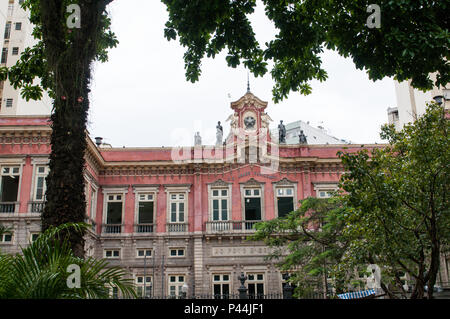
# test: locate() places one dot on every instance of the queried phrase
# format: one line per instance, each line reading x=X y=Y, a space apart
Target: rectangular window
x=93 y=204
x=144 y=284
x=143 y=253
x=7 y=30
x=40 y=187
x=10 y=9
x=112 y=253
x=10 y=183
x=15 y=51
x=114 y=209
x=177 y=208
x=33 y=237
x=4 y=55
x=6 y=238
x=145 y=209
x=252 y=201
x=220 y=205
x=255 y=286
x=324 y=193
x=9 y=102
x=18 y=26
x=285 y=201
x=176 y=252
x=221 y=286
x=175 y=286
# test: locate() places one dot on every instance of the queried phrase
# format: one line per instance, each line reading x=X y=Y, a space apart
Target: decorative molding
x=284 y=182
x=177 y=188
x=325 y=185
x=219 y=183
x=249 y=99
x=252 y=182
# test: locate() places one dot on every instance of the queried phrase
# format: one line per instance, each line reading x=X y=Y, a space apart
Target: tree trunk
x=69 y=54
x=435 y=261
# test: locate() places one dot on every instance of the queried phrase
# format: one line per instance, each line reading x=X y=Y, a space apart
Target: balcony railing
x=36 y=207
x=231 y=226
x=143 y=228
x=177 y=227
x=8 y=207
x=112 y=228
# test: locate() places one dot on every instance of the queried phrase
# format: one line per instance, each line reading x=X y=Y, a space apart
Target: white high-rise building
x=411 y=103
x=15 y=37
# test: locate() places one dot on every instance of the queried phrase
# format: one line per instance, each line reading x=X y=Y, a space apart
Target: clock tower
x=249 y=118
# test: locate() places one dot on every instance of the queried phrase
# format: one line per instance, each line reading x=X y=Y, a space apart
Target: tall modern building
x=411 y=103
x=15 y=36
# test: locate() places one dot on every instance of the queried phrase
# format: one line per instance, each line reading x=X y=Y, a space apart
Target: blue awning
x=357 y=294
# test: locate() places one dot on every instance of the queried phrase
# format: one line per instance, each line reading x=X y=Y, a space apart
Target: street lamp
x=184 y=290
x=242 y=290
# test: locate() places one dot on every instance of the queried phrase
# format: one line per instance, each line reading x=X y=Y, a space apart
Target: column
x=25 y=185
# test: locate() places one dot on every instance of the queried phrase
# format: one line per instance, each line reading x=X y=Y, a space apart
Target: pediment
x=284 y=182
x=250 y=100
x=219 y=183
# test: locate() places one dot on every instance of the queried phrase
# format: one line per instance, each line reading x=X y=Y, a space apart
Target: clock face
x=249 y=122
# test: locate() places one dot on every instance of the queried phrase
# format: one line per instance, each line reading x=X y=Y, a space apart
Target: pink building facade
x=175 y=217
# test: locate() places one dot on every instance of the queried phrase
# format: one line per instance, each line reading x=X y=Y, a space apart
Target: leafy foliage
x=60 y=63
x=307 y=242
x=393 y=212
x=400 y=197
x=40 y=271
x=411 y=44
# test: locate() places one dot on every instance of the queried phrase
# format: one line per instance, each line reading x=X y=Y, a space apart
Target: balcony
x=231 y=226
x=177 y=227
x=143 y=228
x=112 y=228
x=36 y=207
x=8 y=207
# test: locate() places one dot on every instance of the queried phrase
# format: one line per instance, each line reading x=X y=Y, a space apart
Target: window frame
x=10 y=102
x=113 y=191
x=220 y=198
x=325 y=187
x=3 y=236
x=284 y=184
x=177 y=189
x=221 y=282
x=19 y=175
x=252 y=194
x=177 y=284
x=7 y=31
x=105 y=250
x=148 y=285
x=93 y=204
x=138 y=191
x=31 y=234
x=145 y=253
x=177 y=249
x=35 y=180
x=256 y=282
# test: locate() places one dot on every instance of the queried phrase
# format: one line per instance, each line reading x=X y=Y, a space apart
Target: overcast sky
x=140 y=97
